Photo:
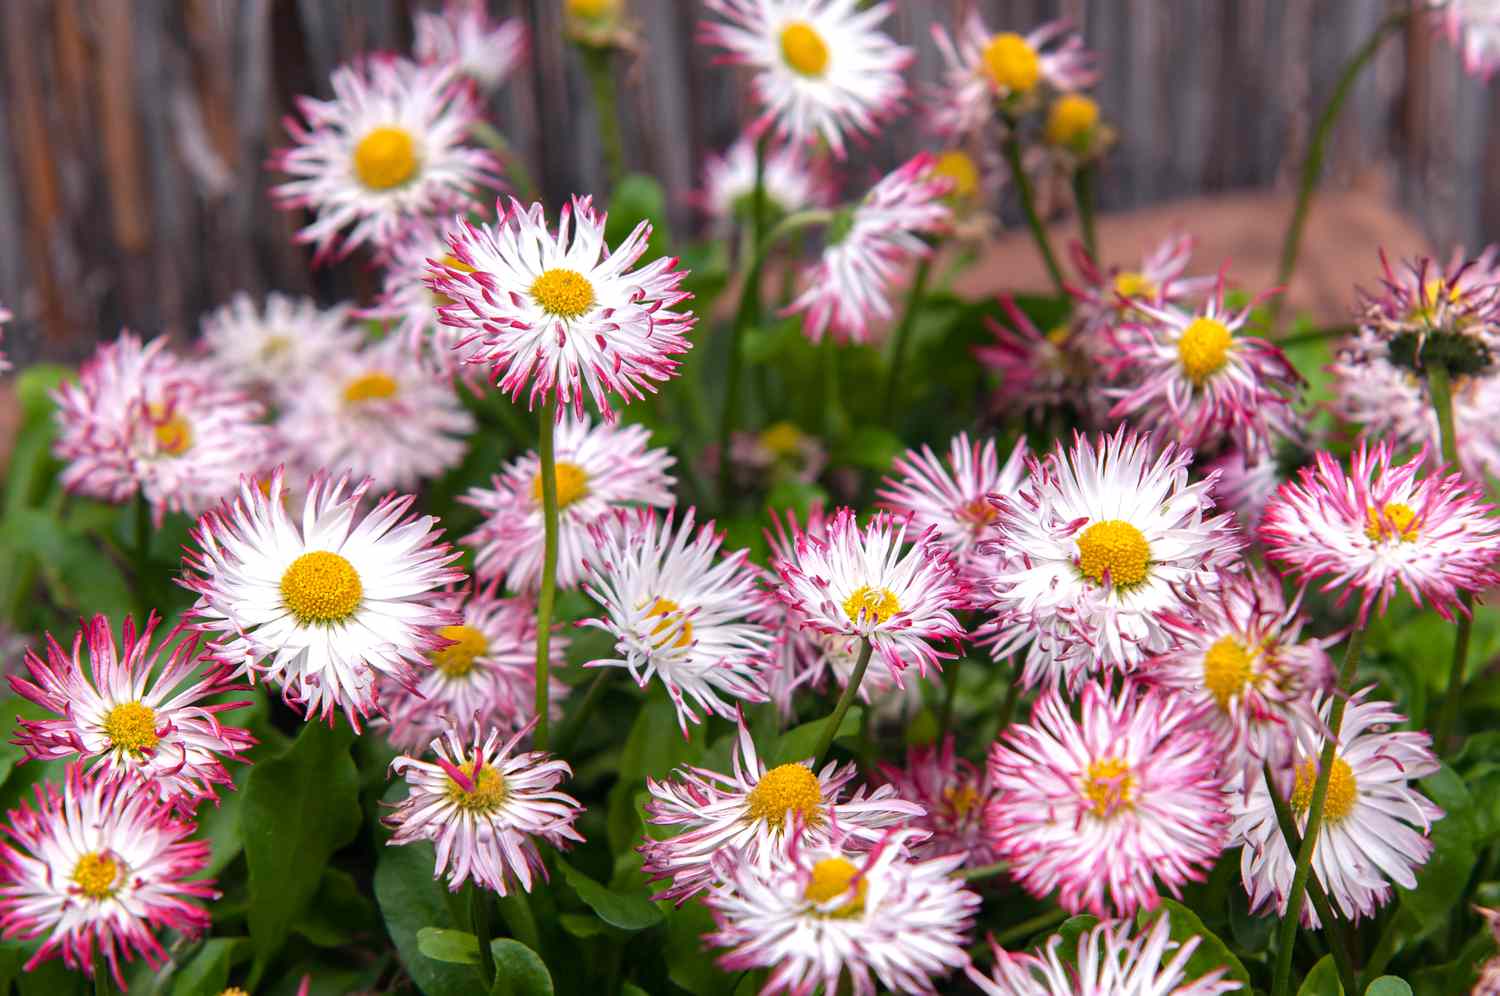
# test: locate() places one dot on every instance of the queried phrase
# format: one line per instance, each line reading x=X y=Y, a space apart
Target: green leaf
x=452 y=947
x=1442 y=880
x=1211 y=952
x=690 y=964
x=798 y=743
x=870 y=447
x=625 y=911
x=581 y=924
x=299 y=809
x=338 y=913
x=1388 y=985
x=631 y=989
x=411 y=899
x=1323 y=980
x=518 y=970
x=208 y=970
x=34 y=387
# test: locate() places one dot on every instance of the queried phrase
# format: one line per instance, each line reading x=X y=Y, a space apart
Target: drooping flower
x=484 y=808
x=755 y=813
x=1428 y=313
x=100 y=864
x=869 y=246
x=792 y=182
x=1102 y=542
x=273 y=347
x=1107 y=808
x=464 y=38
x=1474 y=27
x=1107 y=962
x=1379 y=525
x=823 y=68
x=955 y=795
x=144 y=721
x=562 y=312
x=863 y=583
x=324 y=604
x=679 y=611
x=386 y=150
x=1375 y=822
x=378 y=413
x=821 y=914
x=599 y=468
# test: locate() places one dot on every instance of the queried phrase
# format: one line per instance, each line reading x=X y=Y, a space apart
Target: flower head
x=792 y=182
x=1106 y=296
x=1429 y=313
x=1040 y=370
x=1474 y=26
x=955 y=795
x=463 y=37
x=982 y=68
x=271 y=348
x=484 y=808
x=326 y=603
x=562 y=312
x=1105 y=807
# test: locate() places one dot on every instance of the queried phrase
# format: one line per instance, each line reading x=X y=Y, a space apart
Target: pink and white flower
x=982 y=69
x=1106 y=296
x=463 y=37
x=955 y=794
x=1431 y=313
x=792 y=182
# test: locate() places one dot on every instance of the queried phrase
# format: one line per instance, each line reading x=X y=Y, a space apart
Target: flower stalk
x=548 y=593
x=831 y=728
x=1440 y=387
x=1012 y=149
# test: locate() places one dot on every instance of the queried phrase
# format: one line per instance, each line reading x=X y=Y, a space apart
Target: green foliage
x=1211 y=952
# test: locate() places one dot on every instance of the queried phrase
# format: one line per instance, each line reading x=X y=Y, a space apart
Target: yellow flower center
x=131 y=726
x=486 y=795
x=274 y=346
x=370 y=387
x=1116 y=547
x=831 y=878
x=1394 y=521
x=1434 y=289
x=877 y=603
x=1204 y=348
x=1133 y=284
x=956 y=165
x=452 y=262
x=564 y=293
x=784 y=790
x=977 y=513
x=1343 y=790
x=572 y=484
x=321 y=587
x=96 y=875
x=783 y=439
x=174 y=437
x=1071 y=119
x=386 y=157
x=804 y=49
x=591 y=9
x=1109 y=787
x=961 y=799
x=457 y=659
x=234 y=991
x=1058 y=335
x=1011 y=63
x=670 y=614
x=1226 y=669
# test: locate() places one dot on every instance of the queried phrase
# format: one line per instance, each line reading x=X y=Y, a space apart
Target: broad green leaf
x=798 y=743
x=208 y=970
x=1442 y=880
x=454 y=947
x=1211 y=952
x=1388 y=985
x=410 y=899
x=1070 y=931
x=627 y=911
x=635 y=199
x=581 y=924
x=338 y=913
x=219 y=823
x=690 y=962
x=631 y=989
x=519 y=971
x=1323 y=980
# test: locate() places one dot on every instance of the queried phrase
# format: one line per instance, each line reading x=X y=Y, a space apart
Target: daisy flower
x=324 y=605
x=1195 y=379
x=486 y=671
x=1100 y=544
x=679 y=611
x=779 y=452
x=273 y=347
x=1240 y=661
x=1106 y=296
x=407 y=301
x=378 y=413
x=142 y=421
x=820 y=914
x=387 y=149
x=981 y=68
x=1372 y=814
x=955 y=795
x=1041 y=370
x=1379 y=526
x=822 y=67
x=1107 y=962
x=868 y=247
x=1074 y=133
x=1474 y=27
x=599 y=468
x=850 y=582
x=143 y=720
x=952 y=497
x=100 y=864
x=1105 y=807
x=463 y=37
x=484 y=809
x=564 y=312
x=792 y=183
x=1430 y=313
x=755 y=813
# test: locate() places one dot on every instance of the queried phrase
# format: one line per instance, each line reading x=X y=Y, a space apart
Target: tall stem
x=601 y=79
x=1012 y=149
x=548 y=594
x=1312 y=166
x=850 y=690
x=479 y=922
x=1440 y=387
x=1287 y=936
x=1084 y=195
x=903 y=333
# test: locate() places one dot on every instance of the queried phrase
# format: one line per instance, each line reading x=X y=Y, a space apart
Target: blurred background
x=133 y=187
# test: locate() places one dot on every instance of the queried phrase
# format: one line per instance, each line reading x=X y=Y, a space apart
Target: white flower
x=274 y=347
x=462 y=36
x=790 y=181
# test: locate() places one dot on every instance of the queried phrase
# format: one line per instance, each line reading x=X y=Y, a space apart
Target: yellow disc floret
x=672 y=622
x=591 y=10
x=1133 y=284
x=457 y=659
x=96 y=875
x=174 y=437
x=1117 y=547
x=487 y=793
x=1343 y=790
x=956 y=165
x=1011 y=63
x=131 y=727
x=572 y=484
x=832 y=878
x=320 y=588
x=804 y=49
x=1204 y=348
x=564 y=293
x=1071 y=120
x=1395 y=521
x=961 y=799
x=783 y=439
x=873 y=603
x=373 y=386
x=1226 y=669
x=233 y=991
x=386 y=157
x=790 y=788
x=1109 y=786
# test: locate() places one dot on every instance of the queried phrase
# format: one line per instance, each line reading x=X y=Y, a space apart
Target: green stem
x=1312 y=166
x=1287 y=936
x=983 y=871
x=850 y=690
x=479 y=922
x=1314 y=335
x=1440 y=387
x=1084 y=196
x=515 y=167
x=548 y=593
x=596 y=61
x=1012 y=149
x=950 y=694
x=903 y=333
x=103 y=985
x=1026 y=928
